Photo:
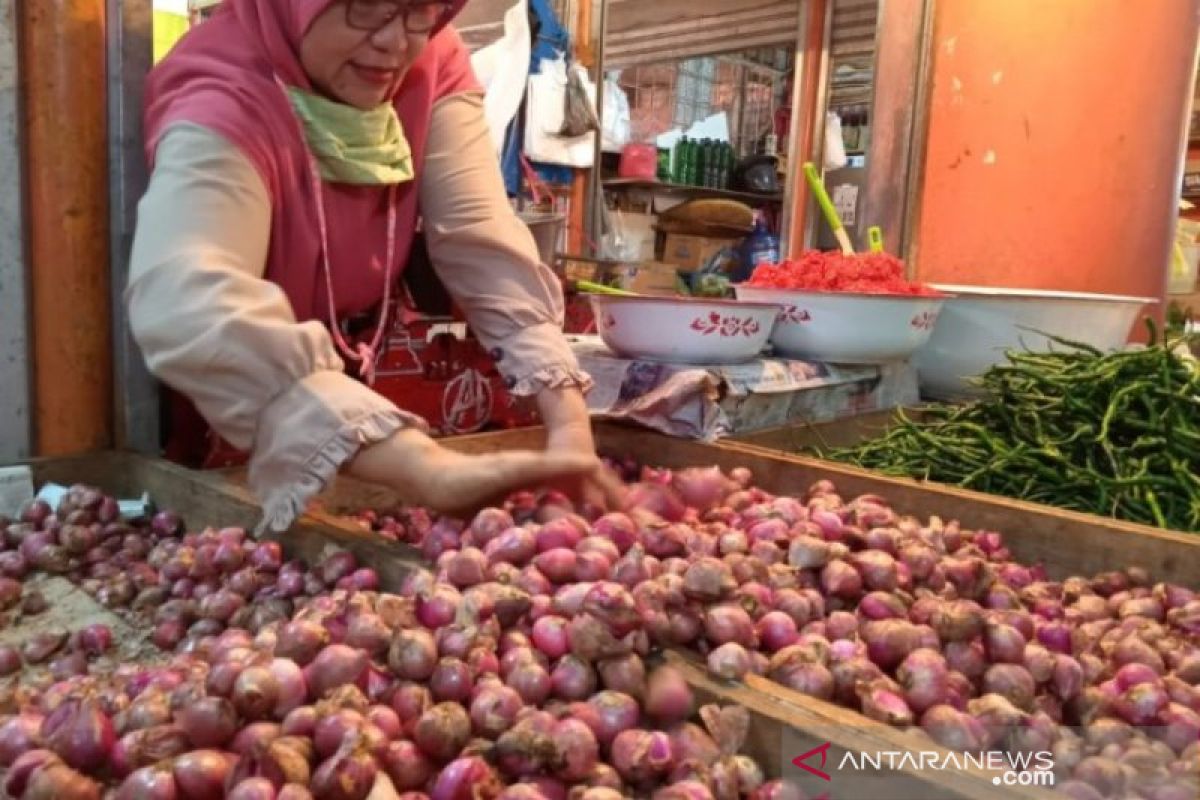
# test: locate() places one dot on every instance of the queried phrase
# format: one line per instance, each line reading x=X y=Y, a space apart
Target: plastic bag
x=545 y=104
x=502 y=68
x=617 y=122
x=617 y=243
x=579 y=114
x=835 y=145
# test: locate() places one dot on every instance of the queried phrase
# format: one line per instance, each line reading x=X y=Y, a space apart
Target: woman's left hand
x=569 y=430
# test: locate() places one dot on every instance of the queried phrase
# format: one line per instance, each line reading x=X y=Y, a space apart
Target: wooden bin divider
x=785 y=720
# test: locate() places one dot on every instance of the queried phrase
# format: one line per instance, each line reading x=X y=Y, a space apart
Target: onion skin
x=149 y=783
x=82 y=737
x=413 y=655
x=252 y=789
x=615 y=712
x=200 y=774
x=729 y=662
x=18 y=735
x=442 y=731
x=17 y=778
x=336 y=665
x=407 y=766
x=668 y=696
x=209 y=722
x=466 y=779
x=56 y=781
x=641 y=756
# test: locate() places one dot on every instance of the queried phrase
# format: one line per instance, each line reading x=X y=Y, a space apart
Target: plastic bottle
x=692 y=163
x=679 y=160
x=760 y=247
x=725 y=176
x=713 y=171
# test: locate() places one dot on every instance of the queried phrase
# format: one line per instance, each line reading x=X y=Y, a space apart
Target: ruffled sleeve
x=486 y=256
x=210 y=326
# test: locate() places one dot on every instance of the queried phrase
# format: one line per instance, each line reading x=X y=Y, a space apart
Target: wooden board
x=787 y=724
x=814 y=435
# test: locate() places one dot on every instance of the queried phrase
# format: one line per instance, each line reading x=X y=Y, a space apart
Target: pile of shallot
x=911 y=623
x=284 y=682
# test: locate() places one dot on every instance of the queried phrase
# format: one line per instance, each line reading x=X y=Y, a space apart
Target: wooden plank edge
x=1033 y=531
x=782 y=717
x=1180 y=551
x=984 y=498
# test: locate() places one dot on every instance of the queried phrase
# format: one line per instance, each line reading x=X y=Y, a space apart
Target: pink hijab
x=221 y=76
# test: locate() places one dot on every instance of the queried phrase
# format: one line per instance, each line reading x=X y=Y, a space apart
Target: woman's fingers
x=464 y=483
x=606 y=489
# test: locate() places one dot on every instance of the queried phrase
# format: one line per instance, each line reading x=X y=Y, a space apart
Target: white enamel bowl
x=683 y=330
x=978 y=324
x=848 y=327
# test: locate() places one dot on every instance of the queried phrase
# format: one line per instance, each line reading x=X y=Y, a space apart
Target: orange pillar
x=63 y=72
x=1055 y=136
x=810 y=75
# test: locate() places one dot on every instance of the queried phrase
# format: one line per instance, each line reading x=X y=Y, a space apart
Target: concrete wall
x=15 y=438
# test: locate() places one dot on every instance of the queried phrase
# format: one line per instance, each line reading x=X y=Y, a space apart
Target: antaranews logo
x=1011 y=768
x=801 y=761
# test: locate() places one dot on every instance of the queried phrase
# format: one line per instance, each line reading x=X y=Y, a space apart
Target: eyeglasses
x=418 y=17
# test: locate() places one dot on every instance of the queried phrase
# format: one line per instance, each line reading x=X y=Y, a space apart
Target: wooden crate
x=812 y=436
x=781 y=719
x=779 y=716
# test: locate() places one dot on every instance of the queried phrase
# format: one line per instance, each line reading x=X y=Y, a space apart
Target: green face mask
x=352 y=145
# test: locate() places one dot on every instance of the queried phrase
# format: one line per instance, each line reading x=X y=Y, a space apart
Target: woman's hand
x=425 y=473
x=569 y=430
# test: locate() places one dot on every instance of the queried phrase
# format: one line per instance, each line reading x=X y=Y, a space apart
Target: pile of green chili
x=1116 y=434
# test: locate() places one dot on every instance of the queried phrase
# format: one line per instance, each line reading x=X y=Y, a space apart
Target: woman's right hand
x=448 y=482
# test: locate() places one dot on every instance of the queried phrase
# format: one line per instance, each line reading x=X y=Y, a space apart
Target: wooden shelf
x=690 y=192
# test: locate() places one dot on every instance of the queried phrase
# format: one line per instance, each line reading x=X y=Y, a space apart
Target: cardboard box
x=650 y=277
x=693 y=252
x=1187 y=303
x=638 y=230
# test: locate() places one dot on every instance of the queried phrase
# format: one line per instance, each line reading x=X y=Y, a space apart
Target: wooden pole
x=577 y=224
x=63 y=71
x=809 y=75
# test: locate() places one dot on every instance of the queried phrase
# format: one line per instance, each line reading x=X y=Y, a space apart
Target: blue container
x=760 y=247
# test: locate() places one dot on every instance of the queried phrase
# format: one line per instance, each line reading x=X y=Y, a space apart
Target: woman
x=293 y=145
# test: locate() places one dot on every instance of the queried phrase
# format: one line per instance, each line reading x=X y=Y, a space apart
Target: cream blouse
x=213 y=328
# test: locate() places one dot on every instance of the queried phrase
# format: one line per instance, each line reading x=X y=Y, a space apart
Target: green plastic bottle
x=730 y=162
x=679 y=161
x=692 y=162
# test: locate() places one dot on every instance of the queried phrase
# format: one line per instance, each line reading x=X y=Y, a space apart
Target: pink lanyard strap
x=363 y=353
